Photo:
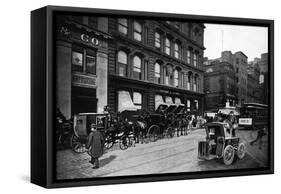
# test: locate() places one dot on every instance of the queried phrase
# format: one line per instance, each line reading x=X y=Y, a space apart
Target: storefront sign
x=245 y=121
x=84 y=80
x=88 y=39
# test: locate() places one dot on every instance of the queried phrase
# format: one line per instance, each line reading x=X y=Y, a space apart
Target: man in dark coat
x=95 y=145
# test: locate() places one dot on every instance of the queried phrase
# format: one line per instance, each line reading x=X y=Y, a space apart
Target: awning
x=177 y=101
x=158 y=100
x=125 y=102
x=169 y=100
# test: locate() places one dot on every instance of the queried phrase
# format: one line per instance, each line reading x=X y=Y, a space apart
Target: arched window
x=176 y=78
x=176 y=52
x=167 y=46
x=157 y=40
x=122 y=60
x=123 y=25
x=157 y=73
x=137 y=67
x=137 y=31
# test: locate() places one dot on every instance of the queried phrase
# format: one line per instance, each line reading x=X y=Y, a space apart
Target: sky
x=251 y=40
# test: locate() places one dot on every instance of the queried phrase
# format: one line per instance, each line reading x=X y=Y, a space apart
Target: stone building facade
x=220 y=85
x=152 y=62
x=81 y=64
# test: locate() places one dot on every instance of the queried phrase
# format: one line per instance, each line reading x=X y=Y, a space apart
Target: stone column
x=63 y=84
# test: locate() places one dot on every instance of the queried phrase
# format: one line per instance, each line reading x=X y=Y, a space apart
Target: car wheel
x=228 y=155
x=241 y=150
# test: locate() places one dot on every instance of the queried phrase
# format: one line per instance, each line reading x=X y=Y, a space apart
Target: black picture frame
x=43 y=95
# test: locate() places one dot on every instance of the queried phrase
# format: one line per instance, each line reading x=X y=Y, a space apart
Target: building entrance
x=83 y=100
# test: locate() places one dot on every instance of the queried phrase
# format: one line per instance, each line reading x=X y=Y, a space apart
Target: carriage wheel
x=76 y=145
x=124 y=143
x=108 y=142
x=228 y=155
x=241 y=150
x=153 y=133
x=170 y=132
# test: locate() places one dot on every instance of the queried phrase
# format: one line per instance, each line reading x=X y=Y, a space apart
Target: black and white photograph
x=139 y=96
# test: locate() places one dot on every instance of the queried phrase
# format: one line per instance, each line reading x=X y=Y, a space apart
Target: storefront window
x=123 y=25
x=158 y=100
x=157 y=74
x=137 y=99
x=122 y=60
x=196 y=105
x=157 y=40
x=137 y=68
x=177 y=101
x=137 y=31
x=188 y=105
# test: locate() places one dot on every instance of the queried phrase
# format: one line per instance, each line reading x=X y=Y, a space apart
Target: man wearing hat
x=95 y=145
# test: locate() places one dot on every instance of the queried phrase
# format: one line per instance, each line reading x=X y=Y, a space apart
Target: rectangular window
x=195 y=59
x=91 y=64
x=137 y=31
x=123 y=25
x=176 y=50
x=157 y=40
x=182 y=79
x=167 y=46
x=77 y=61
x=188 y=56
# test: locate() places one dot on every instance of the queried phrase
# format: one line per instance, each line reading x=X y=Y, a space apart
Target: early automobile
x=219 y=143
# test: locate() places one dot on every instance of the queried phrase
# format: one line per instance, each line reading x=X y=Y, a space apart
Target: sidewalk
x=260 y=155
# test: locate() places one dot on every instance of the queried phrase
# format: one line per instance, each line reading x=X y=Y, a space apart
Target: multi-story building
x=255 y=89
x=127 y=62
x=151 y=62
x=81 y=64
x=220 y=85
x=240 y=62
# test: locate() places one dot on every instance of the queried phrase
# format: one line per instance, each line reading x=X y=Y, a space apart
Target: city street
x=178 y=154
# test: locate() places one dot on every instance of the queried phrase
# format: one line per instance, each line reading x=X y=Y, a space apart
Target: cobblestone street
x=178 y=154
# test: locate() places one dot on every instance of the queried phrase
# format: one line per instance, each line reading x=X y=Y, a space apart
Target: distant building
x=255 y=89
x=239 y=61
x=220 y=85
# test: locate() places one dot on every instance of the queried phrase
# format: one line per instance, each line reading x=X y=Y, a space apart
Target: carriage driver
x=95 y=145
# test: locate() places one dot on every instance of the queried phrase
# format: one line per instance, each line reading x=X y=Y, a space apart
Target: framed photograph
x=126 y=96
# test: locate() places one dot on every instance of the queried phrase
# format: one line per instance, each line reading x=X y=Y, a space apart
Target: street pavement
x=178 y=154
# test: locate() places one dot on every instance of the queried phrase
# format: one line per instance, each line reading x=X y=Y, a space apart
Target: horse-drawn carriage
x=162 y=123
x=114 y=130
x=220 y=143
x=81 y=128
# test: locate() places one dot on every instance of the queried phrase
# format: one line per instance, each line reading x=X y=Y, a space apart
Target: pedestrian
x=261 y=132
x=95 y=145
x=232 y=123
